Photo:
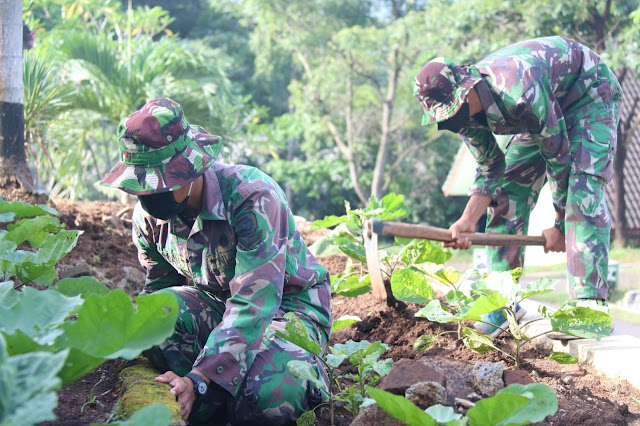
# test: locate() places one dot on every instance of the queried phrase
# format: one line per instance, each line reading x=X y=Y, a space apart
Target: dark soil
x=105 y=248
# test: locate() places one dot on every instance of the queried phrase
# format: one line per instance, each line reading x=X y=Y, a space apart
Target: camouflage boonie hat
x=441 y=87
x=160 y=151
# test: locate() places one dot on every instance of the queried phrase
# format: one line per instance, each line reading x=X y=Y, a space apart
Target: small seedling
x=92 y=398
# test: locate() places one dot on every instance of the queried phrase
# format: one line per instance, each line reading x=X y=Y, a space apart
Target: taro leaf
x=393 y=207
x=324 y=247
x=582 y=322
x=445 y=415
x=447 y=276
x=411 y=286
x=334 y=360
x=81 y=286
x=305 y=371
x=110 y=327
x=515 y=405
x=434 y=312
x=352 y=286
x=400 y=408
x=457 y=298
x=501 y=282
x=352 y=250
x=23 y=230
x=22 y=209
x=39 y=314
x=344 y=321
x=563 y=358
x=424 y=342
x=477 y=341
x=542 y=286
x=382 y=367
x=7 y=217
x=297 y=333
x=349 y=347
x=328 y=222
x=55 y=247
x=484 y=305
x=27 y=388
x=417 y=252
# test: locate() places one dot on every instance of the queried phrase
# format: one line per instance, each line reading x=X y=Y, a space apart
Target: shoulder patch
x=246 y=228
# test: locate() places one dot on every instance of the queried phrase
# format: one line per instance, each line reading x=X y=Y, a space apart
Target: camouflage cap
x=441 y=86
x=160 y=151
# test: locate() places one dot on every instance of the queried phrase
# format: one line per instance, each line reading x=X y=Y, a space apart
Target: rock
x=406 y=373
x=487 y=377
x=426 y=394
x=373 y=415
x=516 y=376
x=81 y=269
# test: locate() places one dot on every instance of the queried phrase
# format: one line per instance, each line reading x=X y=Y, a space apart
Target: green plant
x=500 y=290
x=92 y=398
x=514 y=405
x=365 y=368
x=49 y=338
x=400 y=260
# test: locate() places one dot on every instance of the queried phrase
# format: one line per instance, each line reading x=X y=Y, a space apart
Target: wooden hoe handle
x=426 y=232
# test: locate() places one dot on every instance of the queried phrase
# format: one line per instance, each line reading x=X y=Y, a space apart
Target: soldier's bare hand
x=459 y=227
x=182 y=388
x=554 y=240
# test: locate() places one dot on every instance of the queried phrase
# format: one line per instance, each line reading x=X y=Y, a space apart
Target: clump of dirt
x=105 y=247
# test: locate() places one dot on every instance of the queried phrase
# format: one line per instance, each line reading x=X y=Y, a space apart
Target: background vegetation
x=317 y=93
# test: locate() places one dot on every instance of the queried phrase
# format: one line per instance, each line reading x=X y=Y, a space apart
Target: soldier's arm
x=490 y=158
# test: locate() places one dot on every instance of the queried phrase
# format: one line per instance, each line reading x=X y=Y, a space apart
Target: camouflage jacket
x=244 y=248
x=538 y=89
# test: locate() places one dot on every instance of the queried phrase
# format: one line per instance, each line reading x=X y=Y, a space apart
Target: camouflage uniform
x=560 y=102
x=236 y=270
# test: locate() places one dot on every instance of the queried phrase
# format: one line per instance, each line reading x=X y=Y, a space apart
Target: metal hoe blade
x=373 y=263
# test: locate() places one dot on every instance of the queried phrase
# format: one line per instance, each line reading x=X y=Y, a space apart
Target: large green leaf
x=434 y=312
x=400 y=408
x=352 y=286
x=582 y=322
x=27 y=386
x=305 y=371
x=484 y=305
x=54 y=248
x=324 y=247
x=417 y=252
x=344 y=321
x=298 y=334
x=515 y=405
x=39 y=314
x=110 y=327
x=328 y=222
x=22 y=209
x=411 y=286
x=351 y=249
x=25 y=229
x=81 y=286
x=541 y=286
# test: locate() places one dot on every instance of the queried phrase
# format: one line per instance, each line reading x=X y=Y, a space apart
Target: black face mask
x=163 y=205
x=459 y=121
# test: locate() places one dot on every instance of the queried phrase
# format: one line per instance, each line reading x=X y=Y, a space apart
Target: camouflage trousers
x=269 y=395
x=587 y=223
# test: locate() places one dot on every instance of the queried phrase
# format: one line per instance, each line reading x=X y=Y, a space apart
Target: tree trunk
x=13 y=161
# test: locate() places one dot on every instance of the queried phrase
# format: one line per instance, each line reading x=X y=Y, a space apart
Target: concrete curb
x=615 y=357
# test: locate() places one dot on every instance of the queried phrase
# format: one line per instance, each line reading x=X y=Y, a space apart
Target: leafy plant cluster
x=400 y=260
x=52 y=337
x=364 y=369
x=501 y=291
